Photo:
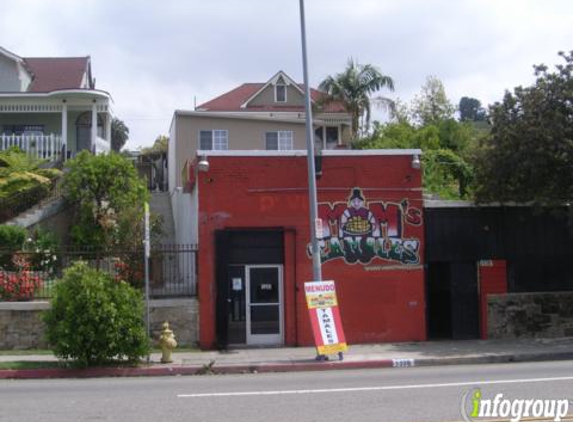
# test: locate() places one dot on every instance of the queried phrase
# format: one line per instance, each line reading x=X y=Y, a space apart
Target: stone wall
x=530 y=315
x=183 y=318
x=21 y=326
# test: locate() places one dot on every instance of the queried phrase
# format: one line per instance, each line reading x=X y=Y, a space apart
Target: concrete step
x=37 y=213
x=160 y=203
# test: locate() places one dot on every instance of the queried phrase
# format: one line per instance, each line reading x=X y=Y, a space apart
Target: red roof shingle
x=54 y=73
x=234 y=99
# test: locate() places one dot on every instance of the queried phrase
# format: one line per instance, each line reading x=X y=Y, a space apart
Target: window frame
x=281 y=139
x=219 y=139
x=324 y=144
x=282 y=85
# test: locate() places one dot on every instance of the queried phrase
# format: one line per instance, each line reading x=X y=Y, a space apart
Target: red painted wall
x=380 y=301
x=492 y=280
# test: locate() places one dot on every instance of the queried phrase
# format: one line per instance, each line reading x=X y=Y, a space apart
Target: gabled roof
x=11 y=55
x=55 y=73
x=287 y=80
x=238 y=99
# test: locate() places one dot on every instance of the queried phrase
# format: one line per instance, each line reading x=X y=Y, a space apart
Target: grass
x=26 y=352
x=32 y=365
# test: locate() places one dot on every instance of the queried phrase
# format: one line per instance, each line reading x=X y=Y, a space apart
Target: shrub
x=12 y=237
x=11 y=240
x=95 y=319
x=51 y=173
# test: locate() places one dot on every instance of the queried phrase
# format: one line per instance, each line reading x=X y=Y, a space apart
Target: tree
x=432 y=105
x=445 y=146
x=106 y=190
x=471 y=110
x=160 y=145
x=529 y=154
x=22 y=182
x=353 y=88
x=119 y=134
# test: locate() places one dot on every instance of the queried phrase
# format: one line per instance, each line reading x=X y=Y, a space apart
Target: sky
x=154 y=57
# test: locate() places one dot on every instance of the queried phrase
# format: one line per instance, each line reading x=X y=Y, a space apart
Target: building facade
x=250 y=220
x=48 y=104
x=255 y=116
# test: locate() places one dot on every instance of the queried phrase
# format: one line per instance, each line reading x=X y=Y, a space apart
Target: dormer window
x=280 y=91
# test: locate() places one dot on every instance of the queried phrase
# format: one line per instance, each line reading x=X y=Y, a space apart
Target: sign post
x=325 y=318
x=147 y=253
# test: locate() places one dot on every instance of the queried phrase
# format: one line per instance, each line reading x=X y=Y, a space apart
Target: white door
x=264 y=290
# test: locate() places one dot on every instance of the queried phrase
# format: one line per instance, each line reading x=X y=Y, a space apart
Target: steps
x=160 y=203
x=37 y=213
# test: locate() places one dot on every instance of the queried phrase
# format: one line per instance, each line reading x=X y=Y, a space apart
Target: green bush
x=51 y=173
x=95 y=320
x=11 y=240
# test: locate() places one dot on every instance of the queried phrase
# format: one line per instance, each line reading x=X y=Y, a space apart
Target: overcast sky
x=157 y=56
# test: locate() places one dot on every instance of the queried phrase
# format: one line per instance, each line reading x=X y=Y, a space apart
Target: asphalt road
x=405 y=394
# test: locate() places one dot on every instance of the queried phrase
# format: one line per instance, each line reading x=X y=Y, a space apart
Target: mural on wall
x=359 y=231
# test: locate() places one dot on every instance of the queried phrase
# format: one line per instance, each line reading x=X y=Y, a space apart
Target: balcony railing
x=45 y=147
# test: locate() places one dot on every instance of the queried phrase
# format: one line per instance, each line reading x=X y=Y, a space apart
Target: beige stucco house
x=48 y=104
x=254 y=116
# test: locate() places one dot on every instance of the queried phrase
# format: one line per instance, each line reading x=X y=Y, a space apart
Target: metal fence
x=172 y=269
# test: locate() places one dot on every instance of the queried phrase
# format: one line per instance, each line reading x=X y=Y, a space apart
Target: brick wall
x=380 y=300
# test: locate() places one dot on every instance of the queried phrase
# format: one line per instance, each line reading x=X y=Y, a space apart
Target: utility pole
x=316 y=265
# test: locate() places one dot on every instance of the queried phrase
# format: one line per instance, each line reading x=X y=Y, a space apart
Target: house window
x=327 y=137
x=280 y=140
x=216 y=140
x=280 y=91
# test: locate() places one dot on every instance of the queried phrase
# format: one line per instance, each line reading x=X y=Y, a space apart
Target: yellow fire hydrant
x=167 y=343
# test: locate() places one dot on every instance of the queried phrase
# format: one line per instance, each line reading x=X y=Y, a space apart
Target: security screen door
x=264 y=287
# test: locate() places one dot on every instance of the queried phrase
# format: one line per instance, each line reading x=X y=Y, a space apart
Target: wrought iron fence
x=172 y=269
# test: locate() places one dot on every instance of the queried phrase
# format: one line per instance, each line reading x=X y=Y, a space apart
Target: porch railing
x=44 y=147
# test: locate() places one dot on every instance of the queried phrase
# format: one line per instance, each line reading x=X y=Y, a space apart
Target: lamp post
x=316 y=268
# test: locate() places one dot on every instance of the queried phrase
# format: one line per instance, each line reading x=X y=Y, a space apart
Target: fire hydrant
x=167 y=343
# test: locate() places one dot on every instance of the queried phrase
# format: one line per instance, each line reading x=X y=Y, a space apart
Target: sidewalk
x=302 y=358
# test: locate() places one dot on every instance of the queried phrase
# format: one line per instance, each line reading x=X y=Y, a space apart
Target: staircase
x=160 y=204
x=41 y=211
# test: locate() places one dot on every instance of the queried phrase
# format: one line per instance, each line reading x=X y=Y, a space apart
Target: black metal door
x=233 y=250
x=464 y=300
x=438 y=301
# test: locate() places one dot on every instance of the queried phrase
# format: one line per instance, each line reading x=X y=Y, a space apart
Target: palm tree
x=119 y=134
x=353 y=88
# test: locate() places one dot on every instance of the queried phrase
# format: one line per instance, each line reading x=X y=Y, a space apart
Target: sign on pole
x=146 y=254
x=325 y=317
x=146 y=237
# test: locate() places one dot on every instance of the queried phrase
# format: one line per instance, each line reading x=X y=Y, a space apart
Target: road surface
x=405 y=394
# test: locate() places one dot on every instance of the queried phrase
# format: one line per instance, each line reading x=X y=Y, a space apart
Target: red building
x=252 y=227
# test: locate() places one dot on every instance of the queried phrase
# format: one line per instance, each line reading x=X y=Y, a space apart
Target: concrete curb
x=180 y=370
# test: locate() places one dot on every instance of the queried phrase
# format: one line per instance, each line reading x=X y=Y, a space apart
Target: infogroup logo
x=475 y=406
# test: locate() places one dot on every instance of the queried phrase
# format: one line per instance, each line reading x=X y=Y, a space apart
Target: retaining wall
x=530 y=315
x=21 y=326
